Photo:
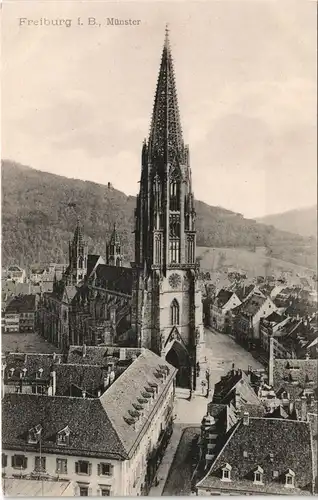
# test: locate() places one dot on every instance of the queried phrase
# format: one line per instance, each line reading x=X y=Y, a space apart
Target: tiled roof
x=91 y=432
x=21 y=303
x=32 y=362
x=85 y=377
x=293 y=375
x=130 y=389
x=252 y=305
x=243 y=291
x=223 y=297
x=274 y=317
x=272 y=444
x=235 y=385
x=91 y=263
x=115 y=278
x=100 y=355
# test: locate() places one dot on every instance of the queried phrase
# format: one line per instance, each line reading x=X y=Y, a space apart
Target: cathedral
x=156 y=303
x=167 y=306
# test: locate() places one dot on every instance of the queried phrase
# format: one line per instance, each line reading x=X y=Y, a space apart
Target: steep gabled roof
x=272 y=444
x=32 y=362
x=223 y=297
x=129 y=388
x=100 y=355
x=92 y=433
x=293 y=375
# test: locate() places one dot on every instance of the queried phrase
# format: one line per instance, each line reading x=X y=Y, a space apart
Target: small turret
x=113 y=250
x=77 y=256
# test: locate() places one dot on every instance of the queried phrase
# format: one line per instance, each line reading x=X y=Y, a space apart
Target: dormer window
x=39 y=373
x=11 y=372
x=63 y=436
x=23 y=373
x=226 y=472
x=258 y=475
x=35 y=434
x=290 y=479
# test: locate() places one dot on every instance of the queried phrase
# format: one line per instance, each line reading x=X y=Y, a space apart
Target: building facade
x=221 y=307
x=167 y=306
x=105 y=446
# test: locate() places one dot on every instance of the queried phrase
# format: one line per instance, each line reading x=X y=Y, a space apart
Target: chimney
x=84 y=350
x=246 y=418
x=99 y=393
x=307 y=355
x=271 y=362
x=237 y=400
x=53 y=377
x=84 y=393
x=303 y=413
x=54 y=357
x=122 y=353
x=106 y=382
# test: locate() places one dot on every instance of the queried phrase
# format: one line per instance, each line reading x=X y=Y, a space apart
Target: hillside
x=37 y=221
x=252 y=263
x=302 y=221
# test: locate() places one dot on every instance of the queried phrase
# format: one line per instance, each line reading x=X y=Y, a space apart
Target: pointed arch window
x=174 y=192
x=175 y=312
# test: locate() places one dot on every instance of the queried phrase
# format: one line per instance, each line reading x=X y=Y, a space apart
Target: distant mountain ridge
x=301 y=221
x=38 y=221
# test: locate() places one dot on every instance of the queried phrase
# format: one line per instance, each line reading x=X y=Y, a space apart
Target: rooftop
x=109 y=426
x=273 y=445
x=21 y=303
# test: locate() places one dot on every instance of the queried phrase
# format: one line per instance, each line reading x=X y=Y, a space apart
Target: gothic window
x=175 y=312
x=118 y=262
x=157 y=259
x=174 y=251
x=190 y=251
x=174 y=226
x=174 y=195
x=157 y=192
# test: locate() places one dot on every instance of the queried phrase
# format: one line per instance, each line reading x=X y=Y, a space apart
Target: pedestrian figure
x=203 y=384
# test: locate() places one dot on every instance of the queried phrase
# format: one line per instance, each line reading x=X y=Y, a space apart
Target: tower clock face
x=175 y=280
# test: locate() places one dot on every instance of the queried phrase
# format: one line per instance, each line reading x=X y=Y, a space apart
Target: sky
x=77 y=101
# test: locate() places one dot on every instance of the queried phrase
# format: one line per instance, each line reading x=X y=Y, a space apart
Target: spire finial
x=167 y=36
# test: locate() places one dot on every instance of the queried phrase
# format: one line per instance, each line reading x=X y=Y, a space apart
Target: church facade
x=167 y=305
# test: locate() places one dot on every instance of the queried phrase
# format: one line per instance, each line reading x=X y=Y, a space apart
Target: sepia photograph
x=159 y=331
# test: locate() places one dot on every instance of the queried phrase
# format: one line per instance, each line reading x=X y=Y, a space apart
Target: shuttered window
x=19 y=462
x=61 y=466
x=4 y=460
x=104 y=469
x=83 y=467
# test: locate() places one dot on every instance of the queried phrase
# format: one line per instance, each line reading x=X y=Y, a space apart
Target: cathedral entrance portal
x=179 y=358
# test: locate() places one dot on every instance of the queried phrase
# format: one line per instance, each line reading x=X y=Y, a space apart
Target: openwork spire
x=114 y=236
x=165 y=139
x=78 y=236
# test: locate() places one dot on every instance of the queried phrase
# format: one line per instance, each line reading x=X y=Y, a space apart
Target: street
x=221 y=352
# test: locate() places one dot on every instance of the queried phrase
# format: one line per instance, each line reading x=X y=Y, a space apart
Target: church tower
x=78 y=251
x=113 y=250
x=168 y=312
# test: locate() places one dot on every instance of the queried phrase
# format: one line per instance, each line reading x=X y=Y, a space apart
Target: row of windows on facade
x=174 y=195
x=174 y=252
x=258 y=475
x=81 y=467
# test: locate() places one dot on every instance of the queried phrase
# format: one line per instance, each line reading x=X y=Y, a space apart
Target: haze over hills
x=301 y=221
x=37 y=221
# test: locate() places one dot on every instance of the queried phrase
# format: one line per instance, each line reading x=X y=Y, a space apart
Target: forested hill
x=37 y=221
